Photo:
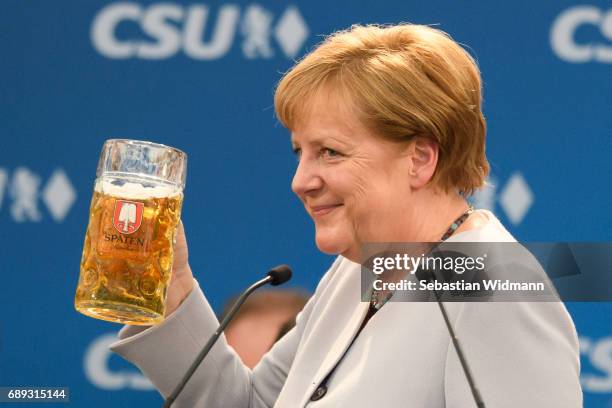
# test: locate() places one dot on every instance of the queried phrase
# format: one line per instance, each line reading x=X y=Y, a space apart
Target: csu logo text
x=586 y=18
x=598 y=352
x=159 y=31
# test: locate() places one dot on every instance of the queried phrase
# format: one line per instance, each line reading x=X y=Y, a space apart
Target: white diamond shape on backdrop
x=291 y=31
x=484 y=198
x=3 y=183
x=516 y=198
x=59 y=195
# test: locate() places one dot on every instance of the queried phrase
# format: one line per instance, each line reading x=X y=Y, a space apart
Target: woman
x=387 y=125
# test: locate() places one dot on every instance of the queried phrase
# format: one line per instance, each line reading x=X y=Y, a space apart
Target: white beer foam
x=135 y=190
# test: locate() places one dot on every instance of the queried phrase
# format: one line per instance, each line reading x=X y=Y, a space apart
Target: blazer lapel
x=338 y=348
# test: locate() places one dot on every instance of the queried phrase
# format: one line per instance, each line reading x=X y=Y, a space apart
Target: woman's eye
x=331 y=153
x=298 y=152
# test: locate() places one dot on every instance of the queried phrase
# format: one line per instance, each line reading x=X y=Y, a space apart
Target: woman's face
x=353 y=184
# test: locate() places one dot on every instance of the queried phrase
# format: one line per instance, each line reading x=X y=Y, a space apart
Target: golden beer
x=128 y=251
x=125 y=275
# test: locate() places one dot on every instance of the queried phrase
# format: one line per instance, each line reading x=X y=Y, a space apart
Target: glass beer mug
x=127 y=254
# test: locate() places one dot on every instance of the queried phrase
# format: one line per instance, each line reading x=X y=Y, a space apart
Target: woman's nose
x=306 y=178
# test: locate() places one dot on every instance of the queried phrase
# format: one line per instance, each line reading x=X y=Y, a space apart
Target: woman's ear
x=424 y=159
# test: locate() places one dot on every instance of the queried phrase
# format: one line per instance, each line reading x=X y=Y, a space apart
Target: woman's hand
x=181 y=282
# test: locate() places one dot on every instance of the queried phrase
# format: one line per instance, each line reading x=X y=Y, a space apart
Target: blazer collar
x=339 y=347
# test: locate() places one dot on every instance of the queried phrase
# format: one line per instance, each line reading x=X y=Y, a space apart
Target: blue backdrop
x=200 y=76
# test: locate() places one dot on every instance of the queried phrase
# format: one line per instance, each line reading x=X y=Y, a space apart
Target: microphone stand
x=462 y=360
x=214 y=337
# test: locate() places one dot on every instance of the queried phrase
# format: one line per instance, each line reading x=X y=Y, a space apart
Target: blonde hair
x=404 y=80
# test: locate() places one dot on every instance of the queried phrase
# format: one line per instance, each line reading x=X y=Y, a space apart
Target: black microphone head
x=280 y=274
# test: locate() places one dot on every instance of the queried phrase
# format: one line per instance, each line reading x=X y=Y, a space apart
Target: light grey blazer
x=522 y=355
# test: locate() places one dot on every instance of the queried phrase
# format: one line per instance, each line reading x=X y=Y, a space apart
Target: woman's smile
x=317 y=211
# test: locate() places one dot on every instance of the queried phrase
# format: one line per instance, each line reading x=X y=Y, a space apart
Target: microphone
x=429 y=276
x=279 y=275
x=276 y=276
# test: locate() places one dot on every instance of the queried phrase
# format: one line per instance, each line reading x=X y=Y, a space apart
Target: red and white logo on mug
x=127 y=216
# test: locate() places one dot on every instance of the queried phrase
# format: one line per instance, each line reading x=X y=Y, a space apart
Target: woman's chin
x=330 y=245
